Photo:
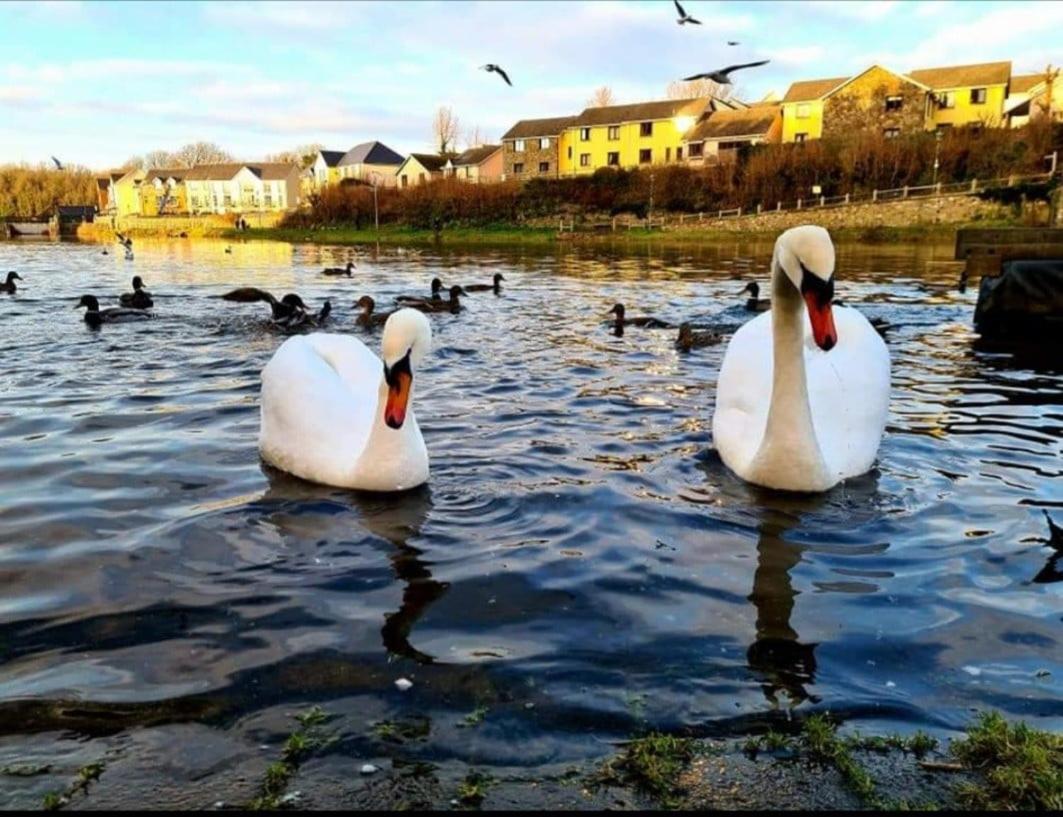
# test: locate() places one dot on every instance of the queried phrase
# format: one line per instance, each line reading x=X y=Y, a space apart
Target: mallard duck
x=139 y=298
x=94 y=316
x=289 y=312
x=368 y=318
x=691 y=338
x=437 y=288
x=755 y=303
x=339 y=270
x=496 y=287
x=451 y=305
x=645 y=321
x=8 y=286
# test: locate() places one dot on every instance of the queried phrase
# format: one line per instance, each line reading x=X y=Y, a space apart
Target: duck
x=691 y=338
x=496 y=287
x=94 y=316
x=229 y=250
x=334 y=413
x=801 y=403
x=437 y=288
x=645 y=321
x=125 y=241
x=451 y=305
x=289 y=312
x=8 y=286
x=754 y=303
x=339 y=270
x=139 y=298
x=368 y=318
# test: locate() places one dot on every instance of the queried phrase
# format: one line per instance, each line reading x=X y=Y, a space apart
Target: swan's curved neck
x=789 y=456
x=388 y=451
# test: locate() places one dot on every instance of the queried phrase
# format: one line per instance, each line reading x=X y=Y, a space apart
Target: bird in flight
x=492 y=67
x=733 y=42
x=683 y=16
x=723 y=75
x=58 y=164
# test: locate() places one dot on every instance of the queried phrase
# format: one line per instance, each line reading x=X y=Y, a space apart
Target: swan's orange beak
x=399 y=384
x=823 y=331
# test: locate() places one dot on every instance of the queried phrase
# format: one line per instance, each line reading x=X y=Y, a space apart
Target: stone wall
x=104 y=228
x=531 y=156
x=861 y=105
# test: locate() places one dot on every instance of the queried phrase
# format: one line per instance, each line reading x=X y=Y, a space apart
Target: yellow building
x=242 y=188
x=627 y=136
x=323 y=171
x=127 y=192
x=802 y=108
x=876 y=99
x=965 y=94
x=162 y=192
x=1031 y=96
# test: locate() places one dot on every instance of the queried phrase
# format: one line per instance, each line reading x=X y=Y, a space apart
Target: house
x=965 y=94
x=530 y=148
x=479 y=164
x=802 y=108
x=720 y=135
x=242 y=188
x=878 y=100
x=626 y=136
x=324 y=170
x=1034 y=95
x=419 y=168
x=127 y=192
x=162 y=192
x=106 y=200
x=370 y=162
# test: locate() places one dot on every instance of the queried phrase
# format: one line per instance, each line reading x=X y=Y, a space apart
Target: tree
x=474 y=137
x=303 y=155
x=156 y=159
x=201 y=153
x=699 y=89
x=602 y=98
x=445 y=128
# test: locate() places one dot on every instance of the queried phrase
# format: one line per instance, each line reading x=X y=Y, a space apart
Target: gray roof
x=429 y=161
x=477 y=155
x=528 y=128
x=641 y=111
x=332 y=157
x=371 y=153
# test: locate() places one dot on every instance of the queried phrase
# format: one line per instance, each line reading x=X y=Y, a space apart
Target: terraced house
x=719 y=136
x=530 y=149
x=162 y=191
x=242 y=188
x=626 y=136
x=1031 y=96
x=965 y=94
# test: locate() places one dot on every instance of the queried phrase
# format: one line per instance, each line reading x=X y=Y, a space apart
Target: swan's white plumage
x=322 y=411
x=848 y=397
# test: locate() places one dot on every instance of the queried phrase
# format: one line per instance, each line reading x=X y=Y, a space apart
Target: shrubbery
x=31 y=192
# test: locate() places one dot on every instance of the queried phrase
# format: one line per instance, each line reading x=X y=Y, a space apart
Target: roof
x=166 y=173
x=477 y=155
x=756 y=120
x=1025 y=83
x=331 y=157
x=529 y=128
x=812 y=89
x=371 y=153
x=225 y=171
x=964 y=76
x=76 y=210
x=640 y=111
x=272 y=170
x=429 y=161
x=132 y=175
x=869 y=69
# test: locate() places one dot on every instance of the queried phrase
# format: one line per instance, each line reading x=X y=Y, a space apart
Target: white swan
x=333 y=413
x=789 y=415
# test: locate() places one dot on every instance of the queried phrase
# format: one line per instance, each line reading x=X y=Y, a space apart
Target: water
x=581 y=565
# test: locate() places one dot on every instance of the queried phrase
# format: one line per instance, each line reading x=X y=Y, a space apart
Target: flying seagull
x=683 y=16
x=723 y=76
x=58 y=164
x=492 y=67
x=733 y=42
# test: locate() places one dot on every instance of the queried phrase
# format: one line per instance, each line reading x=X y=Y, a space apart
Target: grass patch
x=402 y=731
x=474 y=718
x=473 y=789
x=820 y=737
x=86 y=776
x=652 y=764
x=297 y=748
x=1022 y=767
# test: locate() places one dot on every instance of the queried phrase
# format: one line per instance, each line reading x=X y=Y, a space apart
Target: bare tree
x=474 y=137
x=303 y=155
x=201 y=153
x=1051 y=77
x=699 y=89
x=445 y=129
x=602 y=98
x=156 y=159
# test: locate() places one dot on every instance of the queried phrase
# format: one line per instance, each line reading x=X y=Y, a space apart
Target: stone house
x=530 y=148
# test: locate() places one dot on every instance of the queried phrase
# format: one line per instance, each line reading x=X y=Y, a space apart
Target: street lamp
x=376 y=210
x=937 y=153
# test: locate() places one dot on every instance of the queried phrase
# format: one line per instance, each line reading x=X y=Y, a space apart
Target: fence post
x=974 y=185
x=904 y=195
x=799 y=204
x=614 y=224
x=1011 y=181
x=822 y=199
x=938 y=192
x=874 y=195
x=701 y=216
x=739 y=212
x=846 y=198
x=758 y=208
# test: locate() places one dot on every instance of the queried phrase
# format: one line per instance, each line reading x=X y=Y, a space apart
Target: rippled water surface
x=580 y=566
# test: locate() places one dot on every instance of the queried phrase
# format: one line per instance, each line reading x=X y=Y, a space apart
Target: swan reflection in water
x=395 y=518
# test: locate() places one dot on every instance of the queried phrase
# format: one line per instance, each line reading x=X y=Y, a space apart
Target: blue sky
x=96 y=82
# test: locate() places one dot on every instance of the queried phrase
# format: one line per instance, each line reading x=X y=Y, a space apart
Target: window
x=544 y=143
x=891 y=133
x=944 y=128
x=679 y=154
x=947 y=99
x=544 y=167
x=420 y=177
x=228 y=199
x=893 y=103
x=584 y=160
x=696 y=150
x=804 y=110
x=614 y=133
x=613 y=159
x=405 y=181
x=585 y=134
x=645 y=156
x=570 y=152
x=518 y=145
x=978 y=96
x=668 y=154
x=800 y=137
x=646 y=129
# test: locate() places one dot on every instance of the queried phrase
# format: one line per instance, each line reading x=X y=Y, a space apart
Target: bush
x=33 y=192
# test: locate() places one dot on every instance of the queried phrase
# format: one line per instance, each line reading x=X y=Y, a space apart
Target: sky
x=97 y=82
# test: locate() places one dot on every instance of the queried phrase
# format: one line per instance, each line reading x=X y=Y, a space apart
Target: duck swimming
x=8 y=286
x=335 y=413
x=139 y=298
x=289 y=312
x=496 y=287
x=451 y=305
x=645 y=321
x=437 y=288
x=94 y=316
x=368 y=318
x=804 y=390
x=755 y=303
x=691 y=338
x=339 y=270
